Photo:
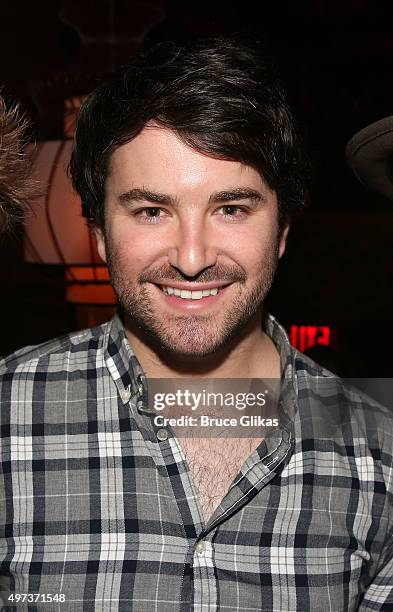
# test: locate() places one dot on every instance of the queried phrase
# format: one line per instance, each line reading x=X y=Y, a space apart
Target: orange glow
x=89 y=285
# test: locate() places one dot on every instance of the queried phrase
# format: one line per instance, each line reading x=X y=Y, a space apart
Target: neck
x=251 y=354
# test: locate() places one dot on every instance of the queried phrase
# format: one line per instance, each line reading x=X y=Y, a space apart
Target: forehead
x=158 y=158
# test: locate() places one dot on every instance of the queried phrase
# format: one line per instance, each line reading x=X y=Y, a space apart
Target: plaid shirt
x=95 y=508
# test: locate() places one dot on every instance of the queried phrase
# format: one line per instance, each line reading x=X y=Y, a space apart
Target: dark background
x=336 y=59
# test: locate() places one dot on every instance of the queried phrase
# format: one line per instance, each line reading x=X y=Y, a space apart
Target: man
x=16 y=185
x=189 y=169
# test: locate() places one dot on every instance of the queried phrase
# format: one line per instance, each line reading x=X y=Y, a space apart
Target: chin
x=188 y=337
x=191 y=341
x=191 y=351
x=180 y=347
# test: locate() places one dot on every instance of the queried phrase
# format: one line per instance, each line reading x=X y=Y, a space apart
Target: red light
x=305 y=336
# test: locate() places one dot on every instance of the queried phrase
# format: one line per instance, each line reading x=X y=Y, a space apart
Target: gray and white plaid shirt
x=98 y=511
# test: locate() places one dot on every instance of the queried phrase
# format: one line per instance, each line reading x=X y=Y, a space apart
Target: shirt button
x=162 y=435
x=200 y=547
x=126 y=396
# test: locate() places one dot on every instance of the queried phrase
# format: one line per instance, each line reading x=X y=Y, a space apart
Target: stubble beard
x=191 y=335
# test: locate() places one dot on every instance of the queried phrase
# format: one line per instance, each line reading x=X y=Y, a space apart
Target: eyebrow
x=227 y=195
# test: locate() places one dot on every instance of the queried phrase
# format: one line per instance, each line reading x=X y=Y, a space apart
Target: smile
x=186 y=294
x=192 y=300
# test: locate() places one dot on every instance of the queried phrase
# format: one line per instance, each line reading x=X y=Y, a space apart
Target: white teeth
x=187 y=295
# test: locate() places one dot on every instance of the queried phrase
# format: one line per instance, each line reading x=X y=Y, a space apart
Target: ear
x=100 y=242
x=283 y=240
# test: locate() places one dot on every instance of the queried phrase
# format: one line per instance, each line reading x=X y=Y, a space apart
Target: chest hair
x=214 y=463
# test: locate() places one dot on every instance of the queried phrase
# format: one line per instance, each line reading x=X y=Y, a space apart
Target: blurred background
x=333 y=292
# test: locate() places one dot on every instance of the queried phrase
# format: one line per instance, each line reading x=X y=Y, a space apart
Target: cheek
x=254 y=247
x=132 y=249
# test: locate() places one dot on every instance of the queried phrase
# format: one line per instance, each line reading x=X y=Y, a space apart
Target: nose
x=193 y=248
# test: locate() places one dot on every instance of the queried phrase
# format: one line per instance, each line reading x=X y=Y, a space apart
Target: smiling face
x=181 y=222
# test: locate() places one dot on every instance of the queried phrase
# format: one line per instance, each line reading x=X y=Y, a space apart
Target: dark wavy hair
x=219 y=95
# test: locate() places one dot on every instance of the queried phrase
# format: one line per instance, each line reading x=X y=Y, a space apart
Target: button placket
x=162 y=434
x=126 y=395
x=200 y=547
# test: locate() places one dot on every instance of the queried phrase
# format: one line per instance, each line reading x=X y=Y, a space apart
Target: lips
x=187 y=299
x=190 y=294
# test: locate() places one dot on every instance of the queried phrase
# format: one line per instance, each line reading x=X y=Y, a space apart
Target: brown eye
x=150 y=214
x=230 y=209
x=233 y=212
x=153 y=212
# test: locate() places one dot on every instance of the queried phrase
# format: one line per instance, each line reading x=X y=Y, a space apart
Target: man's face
x=177 y=220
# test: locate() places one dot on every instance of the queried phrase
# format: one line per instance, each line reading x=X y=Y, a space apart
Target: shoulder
x=321 y=385
x=327 y=405
x=73 y=346
x=357 y=425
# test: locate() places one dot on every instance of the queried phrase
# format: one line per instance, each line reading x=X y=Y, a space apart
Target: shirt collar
x=121 y=361
x=128 y=375
x=288 y=405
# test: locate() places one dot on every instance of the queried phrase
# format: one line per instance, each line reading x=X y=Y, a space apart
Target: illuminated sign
x=305 y=336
